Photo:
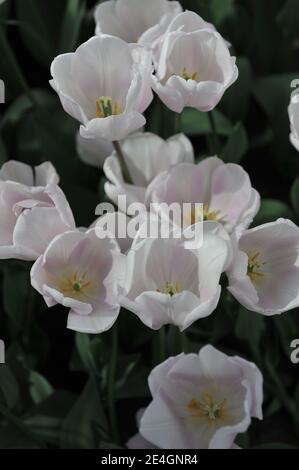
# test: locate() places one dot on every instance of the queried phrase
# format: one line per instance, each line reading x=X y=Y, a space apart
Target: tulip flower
x=224 y=190
x=129 y=19
x=264 y=277
x=32 y=211
x=201 y=401
x=146 y=156
x=82 y=272
x=105 y=85
x=194 y=70
x=294 y=119
x=168 y=283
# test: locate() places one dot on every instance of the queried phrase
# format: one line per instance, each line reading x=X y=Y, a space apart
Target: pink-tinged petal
x=93 y=151
x=45 y=174
x=18 y=172
x=114 y=127
x=254 y=379
x=61 y=204
x=159 y=374
x=138 y=442
x=36 y=228
x=99 y=320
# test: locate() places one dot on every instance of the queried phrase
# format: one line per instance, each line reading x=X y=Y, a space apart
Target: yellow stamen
x=171 y=289
x=187 y=76
x=105 y=107
x=254 y=270
x=208 y=408
x=74 y=285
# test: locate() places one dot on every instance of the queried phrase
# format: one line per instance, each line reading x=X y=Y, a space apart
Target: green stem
x=122 y=162
x=177 y=123
x=184 y=342
x=111 y=386
x=216 y=143
x=162 y=344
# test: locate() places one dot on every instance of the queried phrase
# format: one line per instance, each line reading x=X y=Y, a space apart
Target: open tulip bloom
x=194 y=69
x=168 y=283
x=105 y=85
x=33 y=210
x=224 y=190
x=201 y=401
x=264 y=276
x=82 y=272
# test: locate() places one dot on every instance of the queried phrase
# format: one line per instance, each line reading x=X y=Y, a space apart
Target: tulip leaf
x=40 y=388
x=38 y=27
x=236 y=146
x=9 y=387
x=235 y=103
x=71 y=24
x=79 y=427
x=272 y=210
x=250 y=327
x=196 y=123
x=220 y=9
x=16 y=279
x=273 y=94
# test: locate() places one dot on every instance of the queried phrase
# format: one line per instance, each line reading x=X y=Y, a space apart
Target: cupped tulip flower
x=146 y=156
x=194 y=70
x=202 y=401
x=105 y=85
x=82 y=272
x=93 y=151
x=31 y=216
x=224 y=190
x=294 y=119
x=170 y=283
x=130 y=19
x=264 y=276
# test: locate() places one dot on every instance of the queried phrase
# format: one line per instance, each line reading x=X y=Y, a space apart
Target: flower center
x=255 y=265
x=105 y=107
x=75 y=285
x=189 y=76
x=208 y=408
x=171 y=288
x=199 y=215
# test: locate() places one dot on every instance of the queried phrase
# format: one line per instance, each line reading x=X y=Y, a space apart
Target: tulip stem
x=111 y=386
x=122 y=162
x=177 y=123
x=216 y=143
x=162 y=344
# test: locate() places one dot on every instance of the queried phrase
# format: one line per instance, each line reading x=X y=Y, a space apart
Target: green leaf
x=16 y=279
x=250 y=327
x=273 y=94
x=9 y=387
x=38 y=27
x=220 y=9
x=271 y=210
x=235 y=103
x=78 y=430
x=236 y=146
x=196 y=123
x=40 y=388
x=71 y=25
